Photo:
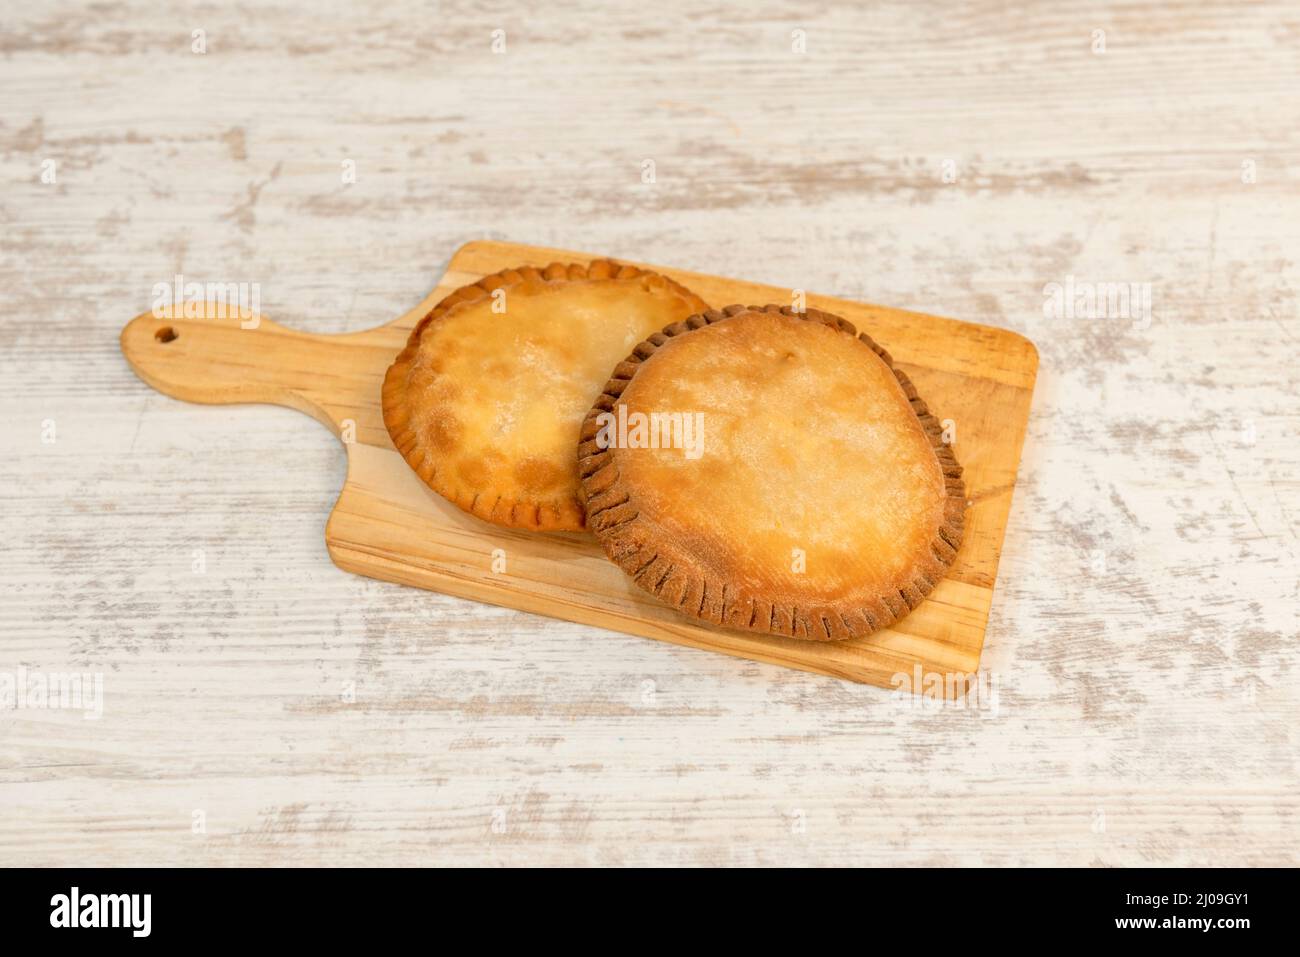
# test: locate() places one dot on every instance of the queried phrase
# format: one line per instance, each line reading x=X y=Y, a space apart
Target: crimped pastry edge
x=664 y=568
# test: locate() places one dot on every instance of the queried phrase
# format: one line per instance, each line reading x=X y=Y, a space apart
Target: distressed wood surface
x=1143 y=635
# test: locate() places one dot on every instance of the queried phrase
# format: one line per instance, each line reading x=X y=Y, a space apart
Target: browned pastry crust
x=701 y=580
x=538 y=492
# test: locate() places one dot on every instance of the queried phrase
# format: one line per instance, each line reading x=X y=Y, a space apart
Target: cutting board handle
x=208 y=353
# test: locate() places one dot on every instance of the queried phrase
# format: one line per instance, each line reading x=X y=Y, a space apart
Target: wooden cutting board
x=388 y=525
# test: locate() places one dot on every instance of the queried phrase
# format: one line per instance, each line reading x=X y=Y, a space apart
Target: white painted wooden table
x=1144 y=633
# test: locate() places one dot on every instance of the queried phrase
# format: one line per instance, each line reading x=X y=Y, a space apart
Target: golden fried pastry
x=812 y=495
x=487 y=399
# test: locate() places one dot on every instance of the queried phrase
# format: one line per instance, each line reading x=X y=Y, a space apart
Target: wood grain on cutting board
x=388 y=525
